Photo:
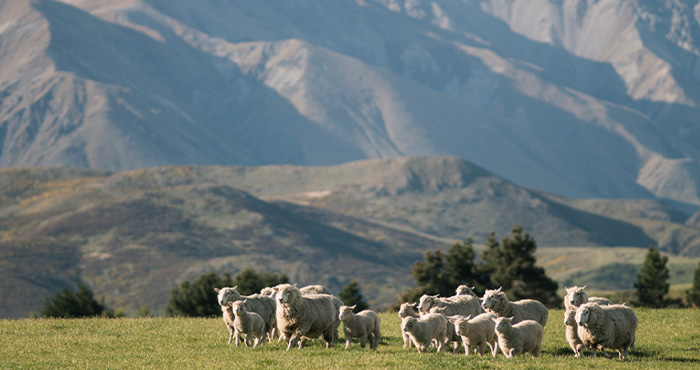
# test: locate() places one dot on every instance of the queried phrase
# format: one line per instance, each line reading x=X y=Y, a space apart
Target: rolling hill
x=133 y=235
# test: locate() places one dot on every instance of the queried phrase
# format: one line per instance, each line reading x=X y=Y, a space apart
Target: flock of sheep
x=298 y=314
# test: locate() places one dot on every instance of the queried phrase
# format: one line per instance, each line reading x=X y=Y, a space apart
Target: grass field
x=666 y=339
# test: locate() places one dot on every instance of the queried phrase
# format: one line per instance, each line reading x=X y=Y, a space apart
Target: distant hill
x=133 y=235
x=586 y=99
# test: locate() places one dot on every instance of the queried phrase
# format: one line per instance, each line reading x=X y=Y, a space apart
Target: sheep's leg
x=494 y=349
x=363 y=340
x=536 y=352
x=293 y=340
x=237 y=334
x=481 y=349
x=602 y=351
x=231 y=332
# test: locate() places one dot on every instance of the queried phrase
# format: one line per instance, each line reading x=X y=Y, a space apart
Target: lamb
x=363 y=325
x=572 y=332
x=263 y=306
x=425 y=329
x=609 y=326
x=407 y=310
x=496 y=302
x=456 y=305
x=575 y=297
x=523 y=337
x=314 y=289
x=450 y=331
x=249 y=323
x=301 y=317
x=477 y=332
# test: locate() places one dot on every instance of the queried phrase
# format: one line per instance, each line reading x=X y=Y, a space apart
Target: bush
x=69 y=304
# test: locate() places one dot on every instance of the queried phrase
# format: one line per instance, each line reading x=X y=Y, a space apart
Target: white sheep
x=262 y=305
x=465 y=290
x=364 y=325
x=314 y=289
x=407 y=310
x=302 y=317
x=572 y=332
x=249 y=323
x=451 y=333
x=575 y=297
x=608 y=326
x=477 y=332
x=456 y=305
x=425 y=329
x=496 y=302
x=523 y=337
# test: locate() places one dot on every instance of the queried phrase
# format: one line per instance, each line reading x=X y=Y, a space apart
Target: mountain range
x=132 y=236
x=581 y=98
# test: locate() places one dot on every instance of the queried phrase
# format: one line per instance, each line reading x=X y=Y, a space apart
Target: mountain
x=134 y=235
x=582 y=98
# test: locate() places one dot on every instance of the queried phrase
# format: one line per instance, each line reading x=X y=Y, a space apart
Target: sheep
x=523 y=337
x=263 y=306
x=302 y=317
x=425 y=329
x=465 y=290
x=496 y=302
x=572 y=332
x=456 y=305
x=249 y=323
x=314 y=289
x=608 y=326
x=575 y=297
x=364 y=325
x=407 y=310
x=477 y=332
x=450 y=331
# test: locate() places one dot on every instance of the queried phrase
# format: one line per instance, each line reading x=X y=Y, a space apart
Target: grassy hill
x=666 y=339
x=133 y=235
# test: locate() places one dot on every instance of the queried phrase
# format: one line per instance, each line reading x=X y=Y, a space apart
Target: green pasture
x=666 y=339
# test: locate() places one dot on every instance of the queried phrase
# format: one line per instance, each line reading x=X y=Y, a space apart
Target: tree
x=198 y=298
x=652 y=282
x=512 y=265
x=68 y=304
x=693 y=295
x=441 y=273
x=351 y=295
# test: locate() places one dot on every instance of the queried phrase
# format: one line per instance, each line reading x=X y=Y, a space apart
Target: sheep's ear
x=469 y=317
x=511 y=318
x=437 y=295
x=584 y=287
x=500 y=288
x=236 y=287
x=295 y=285
x=353 y=307
x=230 y=303
x=216 y=289
x=472 y=287
x=245 y=300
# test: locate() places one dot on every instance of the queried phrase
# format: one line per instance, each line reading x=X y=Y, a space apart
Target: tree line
x=509 y=263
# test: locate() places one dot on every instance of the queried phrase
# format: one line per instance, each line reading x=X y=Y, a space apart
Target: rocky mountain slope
x=581 y=98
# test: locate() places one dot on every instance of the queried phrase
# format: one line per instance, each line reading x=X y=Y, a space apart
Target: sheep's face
x=461 y=327
x=238 y=308
x=345 y=313
x=465 y=290
x=583 y=314
x=426 y=301
x=492 y=298
x=408 y=324
x=285 y=293
x=407 y=309
x=570 y=318
x=267 y=292
x=503 y=324
x=440 y=310
x=576 y=296
x=226 y=295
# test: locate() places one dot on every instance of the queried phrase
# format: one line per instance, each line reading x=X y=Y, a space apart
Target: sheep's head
x=465 y=290
x=286 y=292
x=570 y=318
x=238 y=307
x=576 y=295
x=226 y=295
x=346 y=312
x=426 y=301
x=440 y=310
x=407 y=309
x=461 y=326
x=583 y=314
x=267 y=292
x=408 y=324
x=503 y=324
x=492 y=298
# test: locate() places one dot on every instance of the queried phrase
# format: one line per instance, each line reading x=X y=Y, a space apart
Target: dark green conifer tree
x=652 y=282
x=693 y=295
x=69 y=304
x=351 y=295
